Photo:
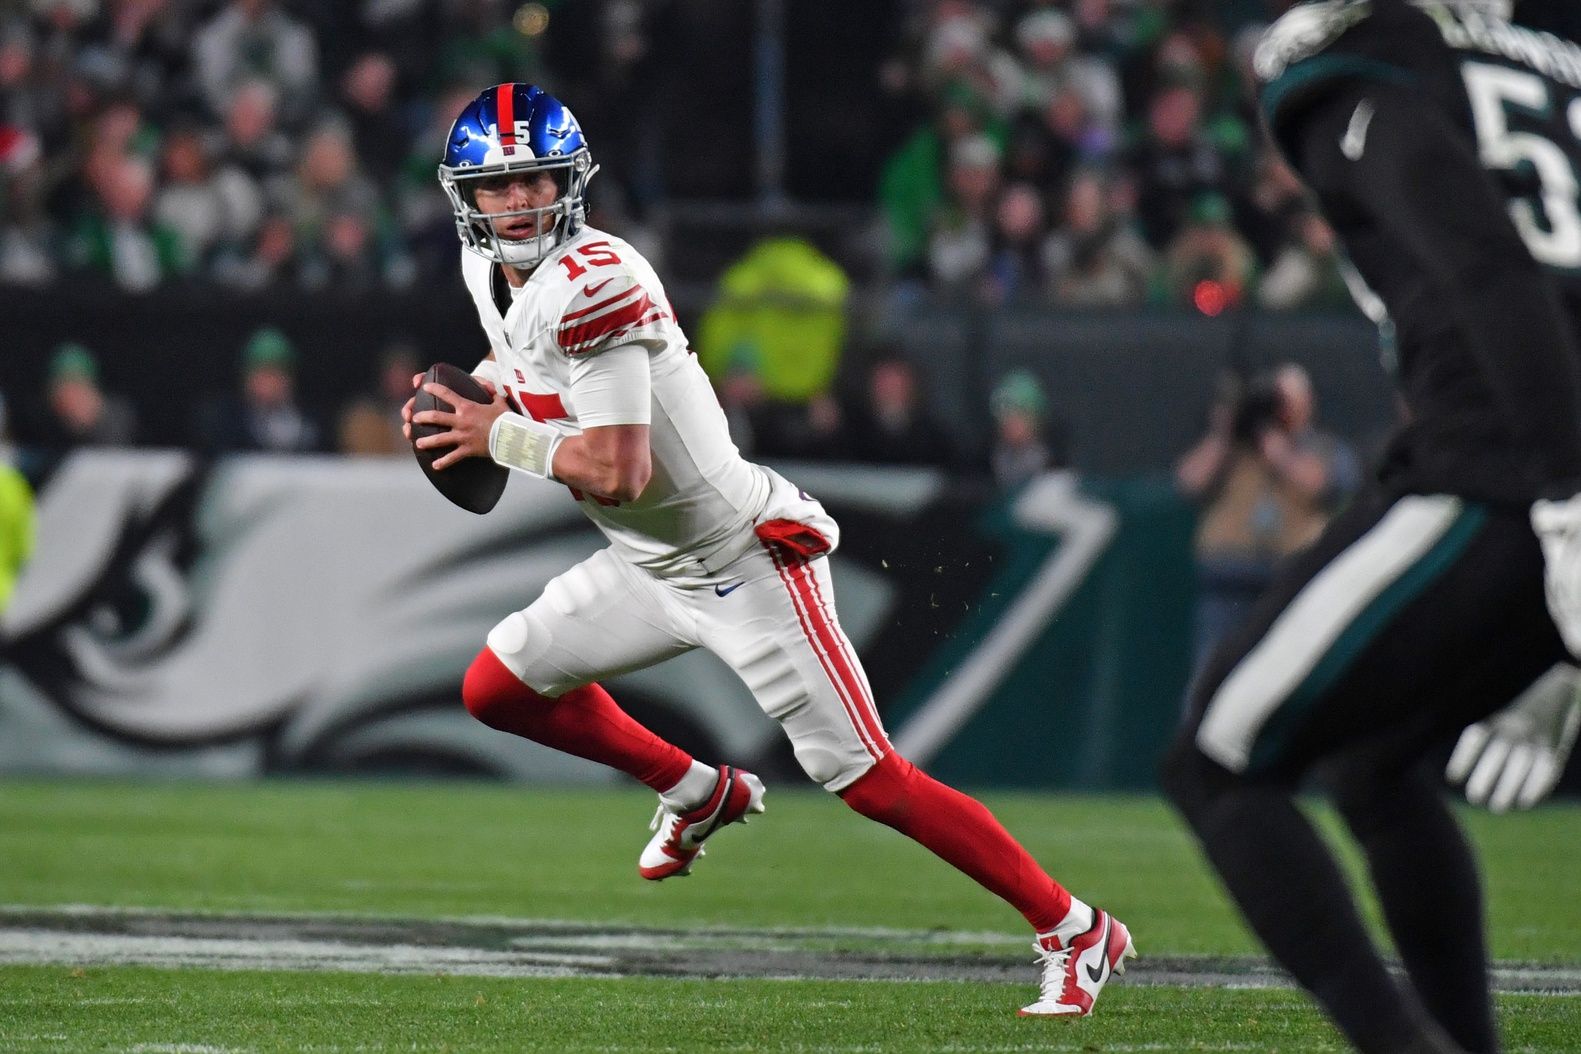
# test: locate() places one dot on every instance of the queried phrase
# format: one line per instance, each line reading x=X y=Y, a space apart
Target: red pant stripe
x=840 y=651
x=824 y=659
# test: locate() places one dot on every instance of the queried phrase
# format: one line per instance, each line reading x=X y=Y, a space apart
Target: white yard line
x=90 y=936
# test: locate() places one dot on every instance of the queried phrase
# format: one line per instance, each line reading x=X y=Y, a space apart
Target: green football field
x=199 y=919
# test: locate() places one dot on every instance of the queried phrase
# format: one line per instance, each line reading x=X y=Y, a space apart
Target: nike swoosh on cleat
x=1103 y=947
x=724 y=803
x=724 y=591
x=592 y=289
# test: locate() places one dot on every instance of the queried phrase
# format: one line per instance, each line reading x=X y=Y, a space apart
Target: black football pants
x=1411 y=617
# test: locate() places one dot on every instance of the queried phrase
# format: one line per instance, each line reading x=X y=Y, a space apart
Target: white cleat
x=678 y=836
x=1075 y=974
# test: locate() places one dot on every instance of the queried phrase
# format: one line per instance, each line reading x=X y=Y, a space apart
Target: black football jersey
x=1445 y=148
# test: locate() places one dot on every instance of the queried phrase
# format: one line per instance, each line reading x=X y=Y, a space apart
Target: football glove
x=1515 y=757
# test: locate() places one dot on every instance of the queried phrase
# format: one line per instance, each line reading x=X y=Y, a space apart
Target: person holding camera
x=1267 y=480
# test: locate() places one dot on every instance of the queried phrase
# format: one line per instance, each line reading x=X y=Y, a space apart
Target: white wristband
x=524 y=444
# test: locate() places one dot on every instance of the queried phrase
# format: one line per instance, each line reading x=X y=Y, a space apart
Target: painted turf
x=496 y=947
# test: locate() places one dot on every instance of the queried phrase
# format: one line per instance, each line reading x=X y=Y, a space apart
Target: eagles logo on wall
x=261 y=614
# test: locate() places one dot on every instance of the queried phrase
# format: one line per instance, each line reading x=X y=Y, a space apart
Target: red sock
x=962 y=832
x=584 y=721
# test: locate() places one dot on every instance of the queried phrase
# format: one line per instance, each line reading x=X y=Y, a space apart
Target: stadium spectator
x=959 y=53
x=121 y=127
x=1306 y=273
x=1208 y=264
x=1046 y=39
x=117 y=237
x=141 y=45
x=1026 y=441
x=1176 y=163
x=22 y=88
x=80 y=412
x=255 y=39
x=253 y=143
x=371 y=424
x=781 y=315
x=338 y=224
x=425 y=217
x=25 y=234
x=367 y=90
x=405 y=30
x=1017 y=266
x=912 y=184
x=1096 y=259
x=1043 y=146
x=267 y=416
x=962 y=227
x=192 y=202
x=17 y=524
x=1267 y=480
x=892 y=425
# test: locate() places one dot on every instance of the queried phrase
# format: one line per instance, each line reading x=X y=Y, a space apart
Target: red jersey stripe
x=572 y=316
x=654 y=316
x=604 y=324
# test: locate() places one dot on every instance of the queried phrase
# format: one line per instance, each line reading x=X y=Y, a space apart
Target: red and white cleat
x=1075 y=974
x=678 y=836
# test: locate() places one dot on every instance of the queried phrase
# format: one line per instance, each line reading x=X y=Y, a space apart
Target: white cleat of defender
x=1075 y=974
x=678 y=836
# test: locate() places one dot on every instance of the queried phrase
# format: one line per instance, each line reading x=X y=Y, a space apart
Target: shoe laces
x=658 y=817
x=1054 y=963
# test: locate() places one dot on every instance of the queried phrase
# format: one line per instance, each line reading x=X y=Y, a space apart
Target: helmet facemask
x=554 y=222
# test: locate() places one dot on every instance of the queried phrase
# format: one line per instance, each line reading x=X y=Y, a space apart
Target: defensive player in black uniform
x=1442 y=144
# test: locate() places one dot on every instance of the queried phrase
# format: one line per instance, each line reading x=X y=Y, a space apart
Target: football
x=474 y=483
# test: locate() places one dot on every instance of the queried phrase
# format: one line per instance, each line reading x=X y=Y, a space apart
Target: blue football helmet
x=513 y=128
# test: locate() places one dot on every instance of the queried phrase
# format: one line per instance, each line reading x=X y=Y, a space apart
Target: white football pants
x=770 y=616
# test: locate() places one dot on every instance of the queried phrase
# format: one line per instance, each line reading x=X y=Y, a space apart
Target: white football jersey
x=593 y=293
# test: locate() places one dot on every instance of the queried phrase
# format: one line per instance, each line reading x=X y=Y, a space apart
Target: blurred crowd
x=1094 y=153
x=1090 y=153
x=883 y=419
x=244 y=143
x=1080 y=152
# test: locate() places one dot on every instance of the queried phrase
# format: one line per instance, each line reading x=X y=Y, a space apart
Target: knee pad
x=831 y=756
x=521 y=642
x=830 y=766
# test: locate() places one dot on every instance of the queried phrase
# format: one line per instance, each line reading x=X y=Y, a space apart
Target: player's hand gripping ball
x=474 y=483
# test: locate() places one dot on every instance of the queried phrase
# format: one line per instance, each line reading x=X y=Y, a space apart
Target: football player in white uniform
x=594 y=386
